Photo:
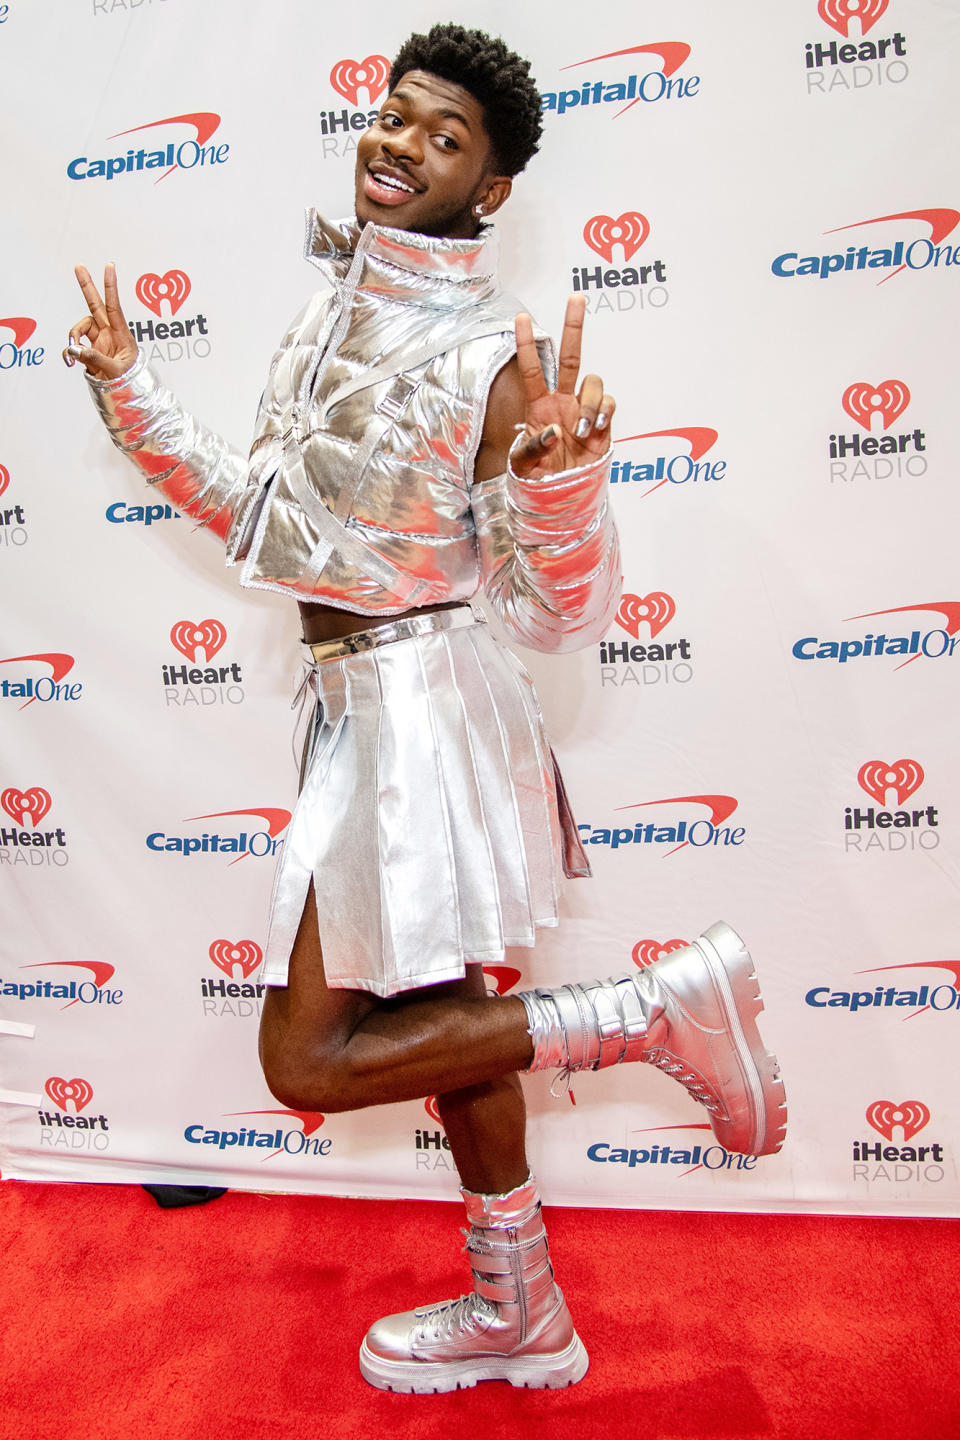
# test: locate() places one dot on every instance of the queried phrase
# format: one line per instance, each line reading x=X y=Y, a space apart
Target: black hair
x=495 y=76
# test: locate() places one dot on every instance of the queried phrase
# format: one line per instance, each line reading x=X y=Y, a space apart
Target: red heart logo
x=862 y=401
x=630 y=229
x=245 y=953
x=839 y=13
x=34 y=802
x=174 y=287
x=4 y=478
x=876 y=777
x=208 y=636
x=910 y=1115
x=655 y=609
x=504 y=978
x=432 y=1109
x=647 y=952
x=61 y=1092
x=349 y=77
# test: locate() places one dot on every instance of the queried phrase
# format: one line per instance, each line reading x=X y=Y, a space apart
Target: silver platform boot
x=692 y=1014
x=514 y=1326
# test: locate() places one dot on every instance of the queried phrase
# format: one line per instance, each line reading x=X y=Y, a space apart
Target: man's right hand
x=111 y=349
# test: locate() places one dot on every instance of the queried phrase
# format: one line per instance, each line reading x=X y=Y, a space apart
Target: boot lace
x=694 y=1084
x=452 y=1319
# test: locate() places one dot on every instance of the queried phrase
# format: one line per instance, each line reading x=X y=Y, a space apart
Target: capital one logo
x=688 y=1153
x=15 y=353
x=862 y=401
x=668 y=830
x=628 y=230
x=44 y=687
x=907 y=252
x=654 y=85
x=839 y=14
x=349 y=77
x=656 y=610
x=678 y=469
x=65 y=1093
x=876 y=777
x=934 y=644
x=258 y=843
x=194 y=640
x=153 y=290
x=175 y=154
x=909 y=1116
x=242 y=955
x=18 y=804
x=87 y=992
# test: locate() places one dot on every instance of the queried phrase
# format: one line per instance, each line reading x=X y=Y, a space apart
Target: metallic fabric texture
x=692 y=1014
x=358 y=487
x=429 y=818
x=514 y=1326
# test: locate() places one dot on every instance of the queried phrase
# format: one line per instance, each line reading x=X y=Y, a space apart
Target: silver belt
x=410 y=626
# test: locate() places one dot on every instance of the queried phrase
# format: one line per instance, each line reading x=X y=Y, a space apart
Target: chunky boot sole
x=735 y=980
x=435 y=1377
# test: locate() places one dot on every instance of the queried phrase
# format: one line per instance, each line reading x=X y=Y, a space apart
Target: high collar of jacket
x=401 y=265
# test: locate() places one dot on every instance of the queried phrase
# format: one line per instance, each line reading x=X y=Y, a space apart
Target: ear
x=492 y=195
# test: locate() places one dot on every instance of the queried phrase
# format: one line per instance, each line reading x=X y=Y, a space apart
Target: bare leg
x=486 y=1126
x=324 y=1049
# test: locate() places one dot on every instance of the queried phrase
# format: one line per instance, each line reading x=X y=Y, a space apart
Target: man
x=408 y=449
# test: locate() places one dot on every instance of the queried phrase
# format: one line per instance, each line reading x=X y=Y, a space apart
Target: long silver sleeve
x=550 y=556
x=195 y=468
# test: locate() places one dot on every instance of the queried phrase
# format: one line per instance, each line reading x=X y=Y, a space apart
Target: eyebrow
x=445 y=113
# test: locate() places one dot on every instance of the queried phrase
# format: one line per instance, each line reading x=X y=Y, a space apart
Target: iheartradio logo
x=910 y=1116
x=432 y=1108
x=34 y=802
x=65 y=1093
x=153 y=290
x=349 y=77
x=243 y=955
x=628 y=230
x=839 y=13
x=4 y=478
x=648 y=952
x=862 y=401
x=190 y=638
x=876 y=777
x=656 y=610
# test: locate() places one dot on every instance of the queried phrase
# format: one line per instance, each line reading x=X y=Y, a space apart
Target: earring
x=479 y=209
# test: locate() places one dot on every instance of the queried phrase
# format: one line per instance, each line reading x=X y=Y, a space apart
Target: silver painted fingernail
x=583 y=428
x=602 y=421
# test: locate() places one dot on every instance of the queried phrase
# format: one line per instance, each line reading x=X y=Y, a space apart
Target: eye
x=447 y=142
x=390 y=118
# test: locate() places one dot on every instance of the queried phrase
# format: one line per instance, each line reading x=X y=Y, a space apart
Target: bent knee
x=307 y=1076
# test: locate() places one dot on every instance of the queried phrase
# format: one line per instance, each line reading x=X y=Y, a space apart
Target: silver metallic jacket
x=357 y=491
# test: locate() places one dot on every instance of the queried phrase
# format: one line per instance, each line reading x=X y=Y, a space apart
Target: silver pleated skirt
x=431 y=817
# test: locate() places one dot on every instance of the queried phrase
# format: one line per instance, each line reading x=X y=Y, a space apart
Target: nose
x=405 y=144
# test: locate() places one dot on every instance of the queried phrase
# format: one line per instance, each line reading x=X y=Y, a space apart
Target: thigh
x=309 y=1016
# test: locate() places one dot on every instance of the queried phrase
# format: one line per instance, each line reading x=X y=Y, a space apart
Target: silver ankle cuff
x=587 y=1026
x=502 y=1212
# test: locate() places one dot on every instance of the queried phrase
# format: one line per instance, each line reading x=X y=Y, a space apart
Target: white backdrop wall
x=761 y=215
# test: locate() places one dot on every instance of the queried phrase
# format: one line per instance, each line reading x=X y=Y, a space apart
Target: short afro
x=499 y=79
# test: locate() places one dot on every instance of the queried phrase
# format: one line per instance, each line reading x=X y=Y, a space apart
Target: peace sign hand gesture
x=111 y=349
x=564 y=430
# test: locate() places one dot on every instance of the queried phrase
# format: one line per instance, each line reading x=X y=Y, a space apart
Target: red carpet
x=240 y=1320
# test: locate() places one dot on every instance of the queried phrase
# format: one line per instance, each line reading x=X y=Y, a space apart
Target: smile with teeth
x=392 y=182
